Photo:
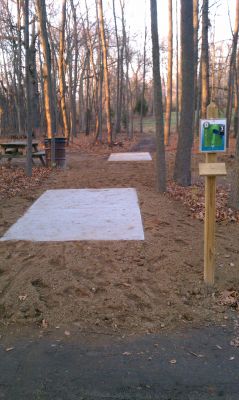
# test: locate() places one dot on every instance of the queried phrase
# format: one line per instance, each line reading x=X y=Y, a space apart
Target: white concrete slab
x=130 y=157
x=80 y=214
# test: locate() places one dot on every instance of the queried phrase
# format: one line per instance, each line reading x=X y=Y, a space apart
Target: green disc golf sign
x=213 y=135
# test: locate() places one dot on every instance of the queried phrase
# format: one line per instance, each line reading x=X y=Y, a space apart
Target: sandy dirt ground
x=127 y=287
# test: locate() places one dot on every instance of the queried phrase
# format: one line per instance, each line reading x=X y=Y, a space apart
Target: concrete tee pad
x=80 y=214
x=130 y=157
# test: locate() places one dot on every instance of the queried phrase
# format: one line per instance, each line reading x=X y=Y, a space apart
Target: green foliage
x=137 y=108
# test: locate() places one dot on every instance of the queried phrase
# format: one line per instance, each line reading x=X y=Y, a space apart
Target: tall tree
x=19 y=67
x=75 y=70
x=234 y=196
x=158 y=103
x=62 y=84
x=182 y=170
x=177 y=71
x=204 y=61
x=27 y=87
x=195 y=40
x=170 y=73
x=117 y=116
x=46 y=68
x=142 y=103
x=106 y=73
x=34 y=90
x=232 y=69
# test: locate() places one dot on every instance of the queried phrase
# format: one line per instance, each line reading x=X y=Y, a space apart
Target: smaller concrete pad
x=130 y=157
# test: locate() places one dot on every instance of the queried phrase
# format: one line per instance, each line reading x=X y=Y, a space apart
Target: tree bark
x=204 y=61
x=232 y=69
x=62 y=84
x=170 y=74
x=75 y=69
x=234 y=195
x=117 y=117
x=158 y=104
x=46 y=68
x=106 y=75
x=195 y=40
x=34 y=92
x=182 y=170
x=27 y=88
x=143 y=85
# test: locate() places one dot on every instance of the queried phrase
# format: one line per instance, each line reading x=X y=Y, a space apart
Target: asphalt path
x=199 y=364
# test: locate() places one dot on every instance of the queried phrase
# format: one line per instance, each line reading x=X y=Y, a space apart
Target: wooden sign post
x=211 y=169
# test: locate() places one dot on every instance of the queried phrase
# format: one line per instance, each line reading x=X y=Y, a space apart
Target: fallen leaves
x=235 y=342
x=194 y=198
x=230 y=298
x=13 y=180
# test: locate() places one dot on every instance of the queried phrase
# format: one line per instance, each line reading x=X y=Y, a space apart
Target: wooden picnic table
x=17 y=149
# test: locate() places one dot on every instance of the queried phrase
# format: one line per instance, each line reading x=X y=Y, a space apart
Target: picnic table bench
x=17 y=149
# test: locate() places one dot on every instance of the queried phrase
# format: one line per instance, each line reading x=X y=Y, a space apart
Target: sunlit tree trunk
x=27 y=89
x=106 y=75
x=75 y=69
x=62 y=85
x=19 y=68
x=34 y=91
x=46 y=68
x=117 y=116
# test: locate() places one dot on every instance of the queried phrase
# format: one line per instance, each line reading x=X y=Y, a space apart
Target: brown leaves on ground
x=87 y=145
x=230 y=298
x=13 y=180
x=194 y=198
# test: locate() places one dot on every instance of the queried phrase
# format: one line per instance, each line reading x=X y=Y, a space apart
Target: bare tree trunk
x=74 y=70
x=232 y=69
x=42 y=108
x=143 y=85
x=236 y=114
x=106 y=77
x=177 y=71
x=158 y=103
x=170 y=74
x=117 y=121
x=195 y=39
x=62 y=84
x=234 y=196
x=95 y=76
x=27 y=86
x=127 y=89
x=46 y=68
x=121 y=69
x=182 y=170
x=205 y=60
x=34 y=92
x=19 y=68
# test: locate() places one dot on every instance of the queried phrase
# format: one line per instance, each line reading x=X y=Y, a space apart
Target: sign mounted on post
x=213 y=135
